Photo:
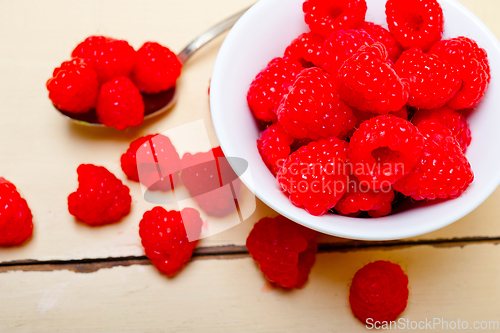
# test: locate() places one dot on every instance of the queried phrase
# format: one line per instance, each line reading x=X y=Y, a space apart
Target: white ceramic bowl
x=262 y=34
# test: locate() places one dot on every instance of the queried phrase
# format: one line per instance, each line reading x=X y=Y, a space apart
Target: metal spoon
x=156 y=104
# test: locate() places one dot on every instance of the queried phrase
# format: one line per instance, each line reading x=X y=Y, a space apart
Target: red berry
x=442 y=171
x=362 y=116
x=326 y=16
x=306 y=49
x=111 y=58
x=169 y=237
x=379 y=292
x=285 y=251
x=415 y=23
x=340 y=46
x=382 y=35
x=312 y=108
x=120 y=104
x=101 y=198
x=16 y=220
x=383 y=150
x=74 y=86
x=156 y=69
x=274 y=147
x=148 y=154
x=369 y=83
x=470 y=62
x=315 y=176
x=269 y=87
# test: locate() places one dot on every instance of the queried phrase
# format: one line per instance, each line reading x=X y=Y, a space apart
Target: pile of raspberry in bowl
x=356 y=117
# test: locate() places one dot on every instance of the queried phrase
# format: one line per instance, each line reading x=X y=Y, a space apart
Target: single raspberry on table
x=274 y=147
x=284 y=250
x=312 y=109
x=340 y=46
x=169 y=237
x=306 y=49
x=383 y=150
x=110 y=58
x=269 y=87
x=452 y=119
x=326 y=16
x=382 y=35
x=415 y=23
x=16 y=220
x=442 y=171
x=470 y=62
x=120 y=104
x=74 y=86
x=156 y=69
x=153 y=161
x=369 y=83
x=101 y=198
x=379 y=292
x=316 y=175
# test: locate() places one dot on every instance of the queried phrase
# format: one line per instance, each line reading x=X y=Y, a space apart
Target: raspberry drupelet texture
x=359 y=198
x=382 y=35
x=312 y=109
x=274 y=147
x=101 y=198
x=156 y=69
x=442 y=171
x=284 y=250
x=383 y=150
x=269 y=87
x=369 y=83
x=452 y=119
x=120 y=104
x=326 y=16
x=316 y=175
x=306 y=49
x=340 y=46
x=379 y=291
x=149 y=155
x=169 y=237
x=74 y=86
x=470 y=62
x=415 y=23
x=432 y=81
x=111 y=58
x=16 y=220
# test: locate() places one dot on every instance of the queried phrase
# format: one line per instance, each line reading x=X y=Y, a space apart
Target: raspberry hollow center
x=414 y=22
x=335 y=12
x=385 y=155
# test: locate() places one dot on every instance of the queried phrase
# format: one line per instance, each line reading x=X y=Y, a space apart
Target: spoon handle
x=207 y=36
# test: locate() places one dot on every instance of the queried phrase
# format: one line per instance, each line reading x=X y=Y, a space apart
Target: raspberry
x=274 y=147
x=362 y=116
x=169 y=237
x=101 y=198
x=285 y=251
x=312 y=108
x=360 y=198
x=156 y=69
x=340 y=46
x=382 y=35
x=470 y=62
x=148 y=154
x=211 y=181
x=379 y=291
x=306 y=49
x=74 y=86
x=415 y=23
x=111 y=58
x=315 y=176
x=454 y=120
x=432 y=82
x=326 y=16
x=16 y=220
x=369 y=83
x=120 y=104
x=442 y=171
x=383 y=150
x=269 y=87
